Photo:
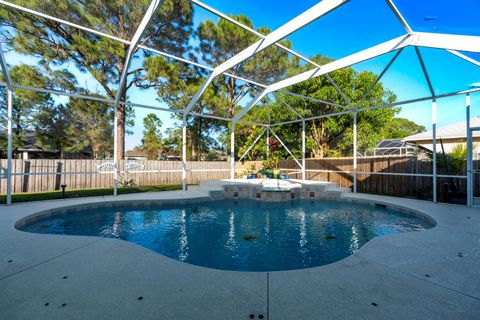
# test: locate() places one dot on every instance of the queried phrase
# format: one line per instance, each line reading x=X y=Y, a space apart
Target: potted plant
x=270 y=165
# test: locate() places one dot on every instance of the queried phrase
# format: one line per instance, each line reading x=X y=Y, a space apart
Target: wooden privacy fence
x=378 y=179
x=90 y=178
x=409 y=186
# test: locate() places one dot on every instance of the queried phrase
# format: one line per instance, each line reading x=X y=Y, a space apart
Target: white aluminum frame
x=303 y=150
x=9 y=84
x=469 y=152
x=232 y=150
x=399 y=16
x=355 y=151
x=153 y=50
x=312 y=14
x=253 y=144
x=227 y=18
x=286 y=148
x=152 y=8
x=452 y=43
x=434 y=149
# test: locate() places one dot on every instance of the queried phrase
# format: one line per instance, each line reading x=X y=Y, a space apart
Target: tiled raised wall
x=255 y=192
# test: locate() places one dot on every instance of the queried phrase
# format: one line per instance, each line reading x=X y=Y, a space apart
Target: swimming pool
x=243 y=235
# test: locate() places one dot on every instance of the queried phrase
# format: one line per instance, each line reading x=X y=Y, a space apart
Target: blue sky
x=358 y=25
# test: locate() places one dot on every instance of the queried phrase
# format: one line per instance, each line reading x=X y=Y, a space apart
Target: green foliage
x=102 y=57
x=126 y=183
x=329 y=136
x=177 y=83
x=270 y=163
x=52 y=123
x=152 y=136
x=91 y=128
x=57 y=46
x=399 y=128
x=77 y=126
x=172 y=143
x=222 y=40
x=458 y=159
x=30 y=107
x=454 y=162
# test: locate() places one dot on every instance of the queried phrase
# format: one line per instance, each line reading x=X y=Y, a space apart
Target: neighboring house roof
x=28 y=142
x=452 y=131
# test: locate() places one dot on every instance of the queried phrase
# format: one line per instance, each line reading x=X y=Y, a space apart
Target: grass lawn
x=51 y=195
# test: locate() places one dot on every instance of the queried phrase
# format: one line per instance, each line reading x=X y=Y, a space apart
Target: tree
x=177 y=83
x=327 y=136
x=400 y=128
x=25 y=103
x=458 y=159
x=51 y=126
x=152 y=136
x=172 y=143
x=91 y=127
x=222 y=40
x=56 y=44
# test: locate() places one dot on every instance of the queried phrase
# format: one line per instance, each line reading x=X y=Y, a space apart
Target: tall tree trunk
x=122 y=116
x=17 y=132
x=199 y=138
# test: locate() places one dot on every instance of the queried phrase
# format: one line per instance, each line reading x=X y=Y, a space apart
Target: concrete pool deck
x=433 y=274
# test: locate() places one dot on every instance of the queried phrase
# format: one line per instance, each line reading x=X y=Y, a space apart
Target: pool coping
x=292 y=293
x=173 y=202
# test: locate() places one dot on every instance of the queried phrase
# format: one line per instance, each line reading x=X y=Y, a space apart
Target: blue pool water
x=241 y=235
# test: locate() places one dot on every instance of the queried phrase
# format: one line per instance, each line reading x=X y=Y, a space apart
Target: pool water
x=244 y=235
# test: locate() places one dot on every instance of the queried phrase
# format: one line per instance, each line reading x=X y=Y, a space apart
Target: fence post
x=184 y=153
x=115 y=151
x=469 y=153
x=303 y=150
x=232 y=151
x=355 y=151
x=9 y=148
